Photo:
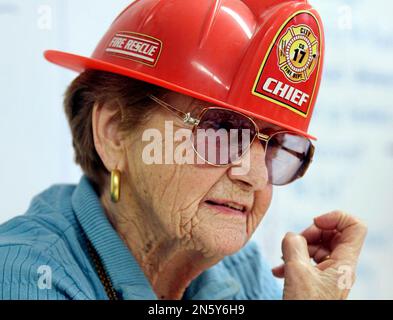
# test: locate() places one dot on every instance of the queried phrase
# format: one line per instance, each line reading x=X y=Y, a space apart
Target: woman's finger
x=315 y=235
x=312 y=234
x=318 y=253
x=279 y=271
x=352 y=234
x=294 y=248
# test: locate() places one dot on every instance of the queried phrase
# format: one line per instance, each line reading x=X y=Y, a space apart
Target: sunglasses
x=216 y=139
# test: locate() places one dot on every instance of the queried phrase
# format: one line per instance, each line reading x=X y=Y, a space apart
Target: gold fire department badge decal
x=298 y=53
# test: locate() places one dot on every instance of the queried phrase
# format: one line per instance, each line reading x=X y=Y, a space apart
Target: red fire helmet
x=260 y=57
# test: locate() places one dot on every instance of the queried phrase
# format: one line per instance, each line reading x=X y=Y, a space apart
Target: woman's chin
x=223 y=243
x=220 y=234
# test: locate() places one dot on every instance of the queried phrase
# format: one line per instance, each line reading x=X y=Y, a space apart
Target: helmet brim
x=79 y=64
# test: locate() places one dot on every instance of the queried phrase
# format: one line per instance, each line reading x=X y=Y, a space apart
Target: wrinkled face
x=207 y=208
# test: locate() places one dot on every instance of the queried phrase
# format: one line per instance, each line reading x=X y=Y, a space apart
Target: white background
x=353 y=121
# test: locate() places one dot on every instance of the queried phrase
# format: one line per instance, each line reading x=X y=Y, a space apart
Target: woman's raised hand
x=333 y=242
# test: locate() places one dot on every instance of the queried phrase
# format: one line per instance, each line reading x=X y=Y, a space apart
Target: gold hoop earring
x=115 y=185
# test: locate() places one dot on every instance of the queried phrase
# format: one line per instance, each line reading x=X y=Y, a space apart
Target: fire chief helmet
x=260 y=57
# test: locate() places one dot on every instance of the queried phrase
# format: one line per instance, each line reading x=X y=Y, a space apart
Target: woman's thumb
x=294 y=248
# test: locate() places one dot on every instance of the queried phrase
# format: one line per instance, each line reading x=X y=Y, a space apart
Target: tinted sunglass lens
x=287 y=155
x=222 y=136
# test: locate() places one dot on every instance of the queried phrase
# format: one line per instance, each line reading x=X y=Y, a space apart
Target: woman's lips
x=227 y=207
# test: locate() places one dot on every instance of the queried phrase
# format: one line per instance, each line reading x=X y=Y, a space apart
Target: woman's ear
x=107 y=138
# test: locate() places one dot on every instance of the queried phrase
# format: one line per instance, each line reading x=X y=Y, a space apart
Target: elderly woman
x=181 y=134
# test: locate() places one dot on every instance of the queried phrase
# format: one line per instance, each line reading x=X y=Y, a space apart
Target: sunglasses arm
x=186 y=117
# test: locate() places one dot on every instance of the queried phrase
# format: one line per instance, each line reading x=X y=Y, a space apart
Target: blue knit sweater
x=43 y=255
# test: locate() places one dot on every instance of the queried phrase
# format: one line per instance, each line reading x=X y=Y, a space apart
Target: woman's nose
x=251 y=170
